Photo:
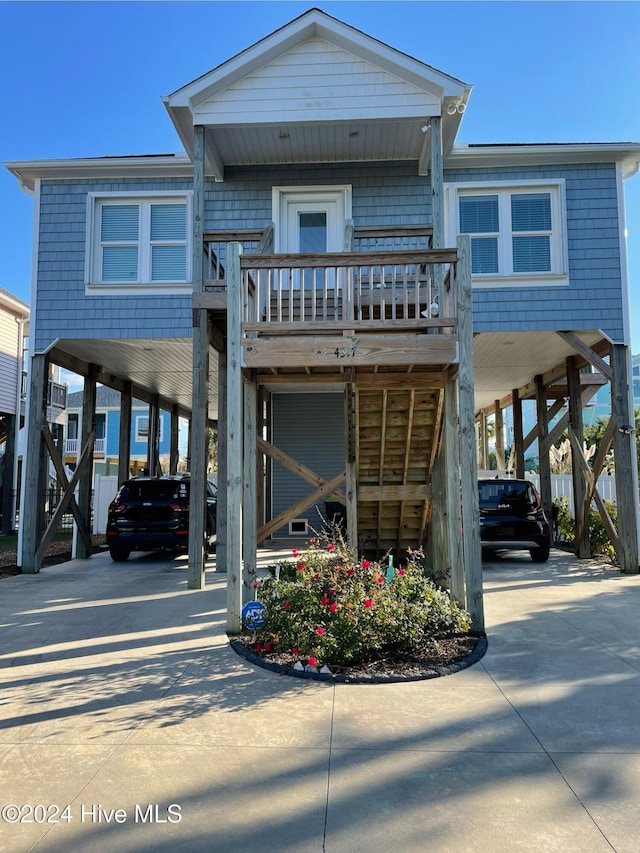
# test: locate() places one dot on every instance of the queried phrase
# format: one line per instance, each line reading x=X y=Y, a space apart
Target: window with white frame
x=515 y=231
x=140 y=241
x=142 y=428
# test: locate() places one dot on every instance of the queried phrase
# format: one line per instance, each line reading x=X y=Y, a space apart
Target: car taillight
x=179 y=506
x=114 y=506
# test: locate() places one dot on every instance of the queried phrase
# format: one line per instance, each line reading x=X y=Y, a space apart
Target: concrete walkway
x=122 y=700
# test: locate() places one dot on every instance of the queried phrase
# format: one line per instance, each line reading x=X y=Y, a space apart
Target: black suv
x=152 y=513
x=512 y=518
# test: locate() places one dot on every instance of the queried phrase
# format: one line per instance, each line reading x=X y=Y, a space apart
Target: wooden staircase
x=398 y=430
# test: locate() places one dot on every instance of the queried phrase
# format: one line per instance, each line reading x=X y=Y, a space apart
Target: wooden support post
x=260 y=457
x=484 y=449
x=468 y=463
x=32 y=497
x=451 y=450
x=582 y=545
x=518 y=434
x=234 y=439
x=153 y=437
x=499 y=436
x=85 y=486
x=124 y=437
x=624 y=445
x=543 y=449
x=351 y=463
x=174 y=450
x=437 y=205
x=249 y=492
x=200 y=379
x=221 y=530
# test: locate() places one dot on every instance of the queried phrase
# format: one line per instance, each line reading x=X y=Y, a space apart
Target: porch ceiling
x=502 y=361
x=154 y=366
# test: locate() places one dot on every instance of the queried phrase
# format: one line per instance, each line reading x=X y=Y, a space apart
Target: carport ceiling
x=502 y=361
x=507 y=360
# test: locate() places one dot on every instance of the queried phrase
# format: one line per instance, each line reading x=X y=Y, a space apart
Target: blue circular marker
x=253 y=615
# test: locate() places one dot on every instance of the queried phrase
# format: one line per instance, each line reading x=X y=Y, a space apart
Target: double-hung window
x=515 y=231
x=140 y=241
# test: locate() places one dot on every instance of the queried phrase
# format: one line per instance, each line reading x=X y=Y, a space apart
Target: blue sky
x=85 y=79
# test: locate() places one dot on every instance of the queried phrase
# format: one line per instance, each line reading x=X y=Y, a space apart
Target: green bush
x=338 y=610
x=599 y=540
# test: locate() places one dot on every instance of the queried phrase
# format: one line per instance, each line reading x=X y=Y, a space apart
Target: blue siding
x=310 y=428
x=63 y=310
x=593 y=298
x=383 y=194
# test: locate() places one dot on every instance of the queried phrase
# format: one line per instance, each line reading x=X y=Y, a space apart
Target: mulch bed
x=440 y=657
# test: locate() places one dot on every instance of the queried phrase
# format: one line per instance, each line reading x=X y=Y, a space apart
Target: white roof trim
x=28 y=171
x=480 y=156
x=315 y=23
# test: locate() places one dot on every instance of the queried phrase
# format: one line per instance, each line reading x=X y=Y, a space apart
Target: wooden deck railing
x=342 y=289
x=393 y=279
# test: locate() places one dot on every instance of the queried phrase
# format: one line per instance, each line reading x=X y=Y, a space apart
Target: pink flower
x=366 y=564
x=295 y=552
x=312 y=661
x=401 y=572
x=333 y=608
x=258 y=648
x=301 y=567
x=286 y=605
x=267 y=647
x=255 y=584
x=316 y=576
x=380 y=579
x=320 y=630
x=368 y=602
x=331 y=547
x=295 y=650
x=330 y=591
x=324 y=599
x=350 y=572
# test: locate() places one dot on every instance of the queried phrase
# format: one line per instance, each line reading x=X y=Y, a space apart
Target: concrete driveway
x=127 y=724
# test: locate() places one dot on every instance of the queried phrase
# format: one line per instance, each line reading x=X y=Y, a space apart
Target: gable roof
x=316 y=79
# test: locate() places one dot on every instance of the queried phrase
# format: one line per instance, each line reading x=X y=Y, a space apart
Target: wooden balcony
x=392 y=302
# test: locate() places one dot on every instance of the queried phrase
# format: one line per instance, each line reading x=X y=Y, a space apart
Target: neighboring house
x=107 y=426
x=14 y=330
x=340 y=360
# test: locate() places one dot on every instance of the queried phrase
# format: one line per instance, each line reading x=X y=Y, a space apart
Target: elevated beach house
x=346 y=290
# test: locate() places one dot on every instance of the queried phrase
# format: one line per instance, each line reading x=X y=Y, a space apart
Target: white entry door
x=311 y=220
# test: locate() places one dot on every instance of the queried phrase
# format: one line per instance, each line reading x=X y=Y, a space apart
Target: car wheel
x=119 y=555
x=540 y=555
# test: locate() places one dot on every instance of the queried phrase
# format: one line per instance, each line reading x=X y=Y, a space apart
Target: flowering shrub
x=337 y=610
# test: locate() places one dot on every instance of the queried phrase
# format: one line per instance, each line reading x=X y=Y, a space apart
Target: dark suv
x=512 y=518
x=152 y=513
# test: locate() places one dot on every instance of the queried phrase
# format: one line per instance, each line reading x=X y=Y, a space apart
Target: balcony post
x=234 y=439
x=437 y=206
x=200 y=382
x=468 y=459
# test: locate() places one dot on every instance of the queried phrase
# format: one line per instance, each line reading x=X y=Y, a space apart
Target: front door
x=311 y=220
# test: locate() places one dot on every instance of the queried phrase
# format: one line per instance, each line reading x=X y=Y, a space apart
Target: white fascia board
x=626 y=153
x=315 y=23
x=29 y=171
x=13 y=305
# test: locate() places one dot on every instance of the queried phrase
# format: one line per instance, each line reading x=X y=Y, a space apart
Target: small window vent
x=298 y=527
